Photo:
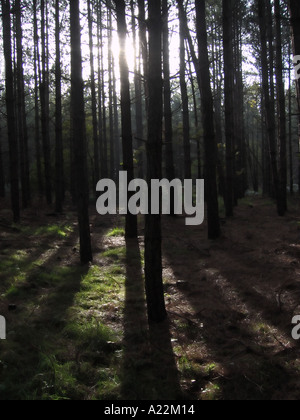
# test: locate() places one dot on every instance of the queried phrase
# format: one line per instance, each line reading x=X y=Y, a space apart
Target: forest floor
x=81 y=332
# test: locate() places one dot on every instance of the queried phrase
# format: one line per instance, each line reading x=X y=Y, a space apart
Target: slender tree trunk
x=10 y=110
x=103 y=169
x=282 y=126
x=291 y=128
x=59 y=159
x=79 y=134
x=241 y=159
x=44 y=94
x=185 y=104
x=294 y=7
x=131 y=220
x=229 y=103
x=22 y=120
x=116 y=118
x=169 y=156
x=103 y=97
x=94 y=100
x=201 y=65
x=270 y=116
x=144 y=46
x=36 y=101
x=153 y=240
x=138 y=96
x=196 y=120
x=110 y=96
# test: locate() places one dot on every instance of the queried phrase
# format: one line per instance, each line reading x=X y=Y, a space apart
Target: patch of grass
x=61 y=231
x=210 y=368
x=116 y=232
x=188 y=368
x=211 y=393
x=115 y=253
x=109 y=385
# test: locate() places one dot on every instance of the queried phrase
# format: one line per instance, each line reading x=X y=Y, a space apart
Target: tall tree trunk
x=185 y=103
x=270 y=115
x=22 y=120
x=10 y=110
x=241 y=178
x=104 y=160
x=144 y=46
x=36 y=101
x=103 y=168
x=214 y=229
x=131 y=220
x=110 y=96
x=44 y=93
x=94 y=100
x=291 y=127
x=59 y=159
x=169 y=156
x=229 y=103
x=116 y=118
x=138 y=96
x=204 y=83
x=79 y=134
x=153 y=240
x=294 y=7
x=282 y=127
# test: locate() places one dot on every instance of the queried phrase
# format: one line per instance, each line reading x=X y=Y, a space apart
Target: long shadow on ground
x=243 y=328
x=149 y=367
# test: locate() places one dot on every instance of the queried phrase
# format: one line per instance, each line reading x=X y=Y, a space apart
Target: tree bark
x=110 y=96
x=153 y=240
x=282 y=125
x=21 y=107
x=36 y=101
x=44 y=94
x=294 y=7
x=144 y=46
x=138 y=96
x=214 y=228
x=185 y=103
x=94 y=100
x=168 y=118
x=229 y=103
x=131 y=220
x=59 y=159
x=270 y=115
x=201 y=64
x=10 y=110
x=79 y=134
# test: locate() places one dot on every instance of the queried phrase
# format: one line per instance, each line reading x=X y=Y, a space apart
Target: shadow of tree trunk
x=149 y=367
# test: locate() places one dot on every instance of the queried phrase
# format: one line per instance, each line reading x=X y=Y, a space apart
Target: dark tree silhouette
x=79 y=135
x=153 y=240
x=10 y=110
x=131 y=220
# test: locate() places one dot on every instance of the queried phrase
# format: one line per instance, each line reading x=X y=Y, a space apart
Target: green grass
x=115 y=253
x=60 y=346
x=55 y=230
x=116 y=232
